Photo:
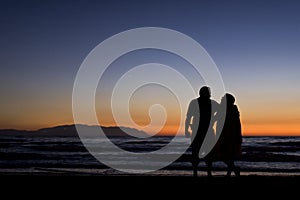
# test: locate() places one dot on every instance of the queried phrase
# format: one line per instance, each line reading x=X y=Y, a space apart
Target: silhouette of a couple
x=202 y=114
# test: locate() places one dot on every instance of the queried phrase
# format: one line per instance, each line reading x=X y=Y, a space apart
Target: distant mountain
x=70 y=131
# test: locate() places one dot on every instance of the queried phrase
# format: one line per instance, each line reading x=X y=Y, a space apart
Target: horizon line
x=160 y=133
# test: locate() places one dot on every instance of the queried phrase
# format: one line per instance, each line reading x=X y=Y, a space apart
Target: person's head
x=229 y=99
x=204 y=92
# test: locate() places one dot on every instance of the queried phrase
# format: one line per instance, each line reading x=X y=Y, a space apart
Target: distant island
x=70 y=131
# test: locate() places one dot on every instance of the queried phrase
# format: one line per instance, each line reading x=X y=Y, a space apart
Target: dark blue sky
x=255 y=44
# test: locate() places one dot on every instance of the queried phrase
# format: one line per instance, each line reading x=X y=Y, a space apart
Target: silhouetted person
x=198 y=118
x=230 y=139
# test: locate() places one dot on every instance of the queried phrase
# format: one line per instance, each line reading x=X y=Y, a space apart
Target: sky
x=254 y=44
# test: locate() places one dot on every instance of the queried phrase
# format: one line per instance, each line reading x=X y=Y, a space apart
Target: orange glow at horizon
x=250 y=130
x=259 y=118
x=279 y=129
x=247 y=130
x=258 y=127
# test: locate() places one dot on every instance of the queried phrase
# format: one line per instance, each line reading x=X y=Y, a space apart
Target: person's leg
x=195 y=162
x=195 y=170
x=208 y=163
x=230 y=167
x=195 y=159
x=236 y=170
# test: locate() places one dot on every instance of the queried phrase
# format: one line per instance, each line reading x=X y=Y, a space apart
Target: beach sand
x=107 y=183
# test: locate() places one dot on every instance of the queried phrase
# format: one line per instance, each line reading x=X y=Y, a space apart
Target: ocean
x=68 y=155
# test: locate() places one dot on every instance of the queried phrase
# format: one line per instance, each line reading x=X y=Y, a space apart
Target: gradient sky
x=255 y=45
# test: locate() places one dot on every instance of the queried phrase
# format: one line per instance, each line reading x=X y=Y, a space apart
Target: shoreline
x=107 y=172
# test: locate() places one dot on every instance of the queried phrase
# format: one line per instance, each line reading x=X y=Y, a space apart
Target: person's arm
x=187 y=125
x=239 y=125
x=216 y=107
x=188 y=121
